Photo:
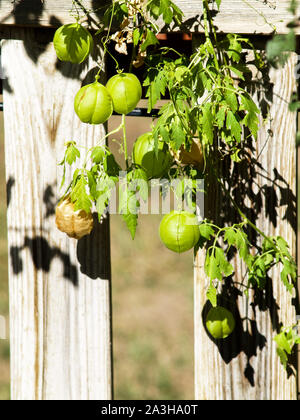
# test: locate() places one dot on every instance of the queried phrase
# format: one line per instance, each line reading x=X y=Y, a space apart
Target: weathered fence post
x=245 y=365
x=59 y=288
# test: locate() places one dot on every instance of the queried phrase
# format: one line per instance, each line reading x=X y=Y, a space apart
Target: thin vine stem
x=261 y=15
x=106 y=51
x=245 y=218
x=87 y=13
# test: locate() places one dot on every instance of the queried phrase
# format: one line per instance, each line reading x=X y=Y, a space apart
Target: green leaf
x=211 y=268
x=230 y=236
x=225 y=266
x=72 y=153
x=92 y=184
x=140 y=183
x=206 y=231
x=156 y=81
x=75 y=177
x=154 y=7
x=235 y=48
x=282 y=356
x=251 y=119
x=106 y=182
x=166 y=11
x=216 y=264
x=286 y=341
x=242 y=244
x=237 y=71
x=294 y=106
x=249 y=105
x=282 y=342
x=102 y=202
x=153 y=98
x=233 y=125
x=288 y=273
x=211 y=295
x=80 y=197
x=209 y=46
x=168 y=16
x=178 y=135
x=129 y=216
x=98 y=154
x=207 y=121
x=149 y=40
x=177 y=13
x=251 y=122
x=218 y=3
x=136 y=36
x=129 y=205
x=235 y=155
x=63 y=179
x=259 y=272
x=267 y=245
x=110 y=165
x=268 y=260
x=164 y=132
x=231 y=100
x=220 y=117
x=238 y=238
x=105 y=186
x=124 y=7
x=131 y=222
x=282 y=245
x=119 y=10
x=160 y=84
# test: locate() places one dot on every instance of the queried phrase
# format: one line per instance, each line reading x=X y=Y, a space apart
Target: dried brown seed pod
x=75 y=224
x=192 y=157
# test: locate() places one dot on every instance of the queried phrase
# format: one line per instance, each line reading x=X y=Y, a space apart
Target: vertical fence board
x=245 y=366
x=59 y=288
x=240 y=16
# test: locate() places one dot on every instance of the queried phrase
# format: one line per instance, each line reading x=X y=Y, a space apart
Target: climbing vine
x=210 y=113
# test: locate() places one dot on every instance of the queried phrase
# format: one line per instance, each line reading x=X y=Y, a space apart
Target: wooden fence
x=59 y=289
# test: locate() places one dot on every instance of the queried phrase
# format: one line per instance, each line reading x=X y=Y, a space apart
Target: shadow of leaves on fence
x=42 y=255
x=253 y=196
x=92 y=251
x=261 y=193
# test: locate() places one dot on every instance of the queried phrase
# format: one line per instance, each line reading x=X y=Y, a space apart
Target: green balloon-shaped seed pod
x=73 y=43
x=126 y=91
x=179 y=231
x=220 y=322
x=155 y=165
x=93 y=104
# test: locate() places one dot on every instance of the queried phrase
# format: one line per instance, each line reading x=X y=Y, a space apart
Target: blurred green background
x=152 y=292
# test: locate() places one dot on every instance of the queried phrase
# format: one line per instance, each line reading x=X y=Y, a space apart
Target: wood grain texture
x=240 y=16
x=59 y=288
x=245 y=366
